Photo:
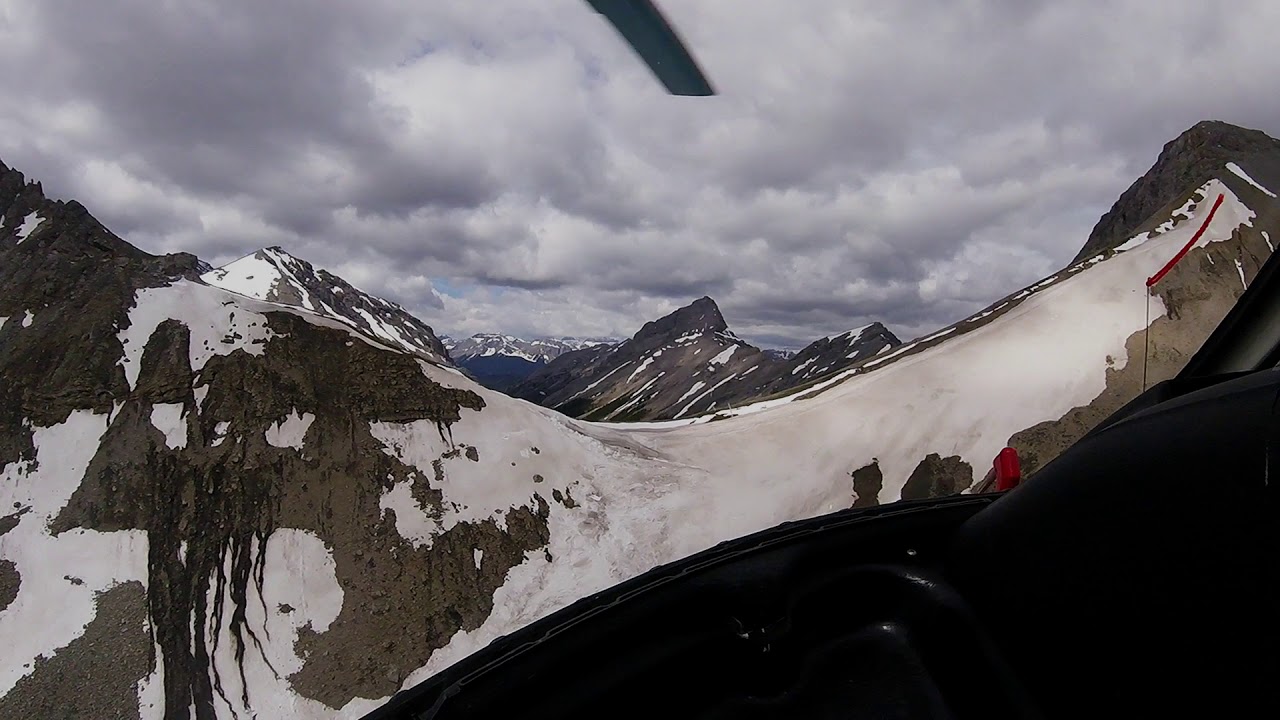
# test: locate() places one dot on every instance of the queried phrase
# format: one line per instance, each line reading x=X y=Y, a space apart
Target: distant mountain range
x=501 y=361
x=538 y=350
x=685 y=364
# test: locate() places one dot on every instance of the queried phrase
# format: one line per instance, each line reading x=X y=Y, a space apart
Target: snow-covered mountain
x=219 y=506
x=673 y=367
x=819 y=359
x=502 y=361
x=536 y=350
x=274 y=275
x=685 y=364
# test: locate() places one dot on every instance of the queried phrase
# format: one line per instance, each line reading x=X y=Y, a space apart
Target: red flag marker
x=1186 y=248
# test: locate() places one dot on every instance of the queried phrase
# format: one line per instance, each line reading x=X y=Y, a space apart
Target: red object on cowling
x=1008 y=470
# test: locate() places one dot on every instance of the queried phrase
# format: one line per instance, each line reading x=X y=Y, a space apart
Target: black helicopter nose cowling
x=1135 y=575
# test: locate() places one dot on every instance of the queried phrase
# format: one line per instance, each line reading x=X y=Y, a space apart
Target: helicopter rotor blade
x=642 y=25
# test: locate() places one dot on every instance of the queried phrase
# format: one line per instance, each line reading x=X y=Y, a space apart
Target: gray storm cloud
x=508 y=166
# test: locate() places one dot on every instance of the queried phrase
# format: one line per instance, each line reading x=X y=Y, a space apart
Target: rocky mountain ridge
x=273 y=275
x=1198 y=154
x=685 y=364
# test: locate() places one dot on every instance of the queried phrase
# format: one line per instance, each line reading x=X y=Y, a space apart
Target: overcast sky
x=508 y=165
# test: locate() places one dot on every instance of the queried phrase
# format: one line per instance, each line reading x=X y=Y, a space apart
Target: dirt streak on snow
x=300 y=588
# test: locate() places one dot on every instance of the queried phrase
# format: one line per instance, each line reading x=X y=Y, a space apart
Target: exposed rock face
x=867 y=482
x=937 y=476
x=77 y=281
x=1186 y=162
x=702 y=315
x=212 y=505
x=550 y=382
x=10 y=579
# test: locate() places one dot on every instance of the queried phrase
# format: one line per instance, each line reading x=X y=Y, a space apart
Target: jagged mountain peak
x=47 y=242
x=701 y=315
x=274 y=275
x=831 y=354
x=872 y=333
x=1214 y=136
x=1198 y=154
x=875 y=328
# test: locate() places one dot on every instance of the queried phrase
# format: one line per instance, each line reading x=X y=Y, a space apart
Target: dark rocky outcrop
x=823 y=358
x=10 y=581
x=77 y=279
x=937 y=476
x=222 y=502
x=701 y=315
x=10 y=578
x=867 y=482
